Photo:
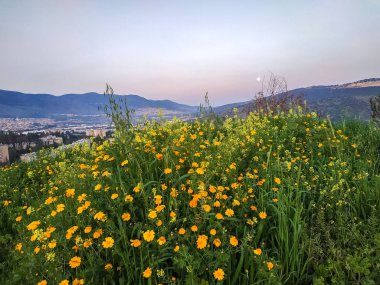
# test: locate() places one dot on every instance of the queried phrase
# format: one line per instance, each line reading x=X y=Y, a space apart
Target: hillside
x=16 y=104
x=349 y=100
x=288 y=199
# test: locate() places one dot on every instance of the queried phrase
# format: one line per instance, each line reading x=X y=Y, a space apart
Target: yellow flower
x=148 y=235
x=52 y=244
x=202 y=241
x=152 y=214
x=147 y=272
x=161 y=240
x=108 y=266
x=229 y=212
x=64 y=282
x=43 y=282
x=159 y=156
x=37 y=250
x=114 y=196
x=87 y=243
x=70 y=193
x=125 y=162
x=257 y=251
x=270 y=265
x=167 y=171
x=234 y=241
x=176 y=248
x=33 y=225
x=135 y=242
x=277 y=180
x=212 y=232
x=219 y=216
x=262 y=215
x=108 y=242
x=217 y=242
x=128 y=198
x=126 y=217
x=60 y=208
x=98 y=187
x=78 y=281
x=19 y=218
x=194 y=228
x=181 y=231
x=74 y=262
x=19 y=246
x=87 y=229
x=200 y=171
x=219 y=274
x=98 y=233
x=100 y=216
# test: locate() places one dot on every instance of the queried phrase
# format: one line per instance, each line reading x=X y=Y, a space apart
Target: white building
x=51 y=140
x=4 y=153
x=96 y=133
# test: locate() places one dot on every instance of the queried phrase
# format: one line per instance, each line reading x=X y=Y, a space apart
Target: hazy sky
x=178 y=50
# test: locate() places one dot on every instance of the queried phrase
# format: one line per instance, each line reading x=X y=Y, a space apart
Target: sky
x=178 y=50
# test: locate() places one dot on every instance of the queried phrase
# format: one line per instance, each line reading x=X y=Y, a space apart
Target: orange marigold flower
x=262 y=215
x=135 y=242
x=217 y=242
x=229 y=212
x=234 y=241
x=70 y=193
x=270 y=265
x=159 y=156
x=64 y=282
x=149 y=235
x=181 y=231
x=98 y=233
x=108 y=242
x=219 y=274
x=108 y=266
x=126 y=217
x=147 y=272
x=219 y=216
x=75 y=262
x=257 y=251
x=194 y=228
x=202 y=241
x=277 y=180
x=161 y=240
x=33 y=225
x=167 y=170
x=43 y=282
x=212 y=232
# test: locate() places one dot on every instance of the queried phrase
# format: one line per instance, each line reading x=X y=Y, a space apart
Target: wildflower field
x=275 y=199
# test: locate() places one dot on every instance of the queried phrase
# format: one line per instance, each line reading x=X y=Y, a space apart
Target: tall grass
x=280 y=199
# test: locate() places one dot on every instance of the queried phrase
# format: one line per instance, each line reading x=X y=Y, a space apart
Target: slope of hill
x=349 y=100
x=16 y=104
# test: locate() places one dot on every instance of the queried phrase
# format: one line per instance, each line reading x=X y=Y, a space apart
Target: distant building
x=4 y=153
x=51 y=140
x=28 y=157
x=96 y=133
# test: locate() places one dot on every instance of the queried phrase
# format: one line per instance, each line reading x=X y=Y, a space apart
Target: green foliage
x=304 y=195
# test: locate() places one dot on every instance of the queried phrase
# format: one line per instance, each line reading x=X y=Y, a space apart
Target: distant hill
x=350 y=100
x=16 y=104
x=338 y=101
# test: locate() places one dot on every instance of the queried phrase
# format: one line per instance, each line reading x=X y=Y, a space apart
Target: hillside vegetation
x=276 y=199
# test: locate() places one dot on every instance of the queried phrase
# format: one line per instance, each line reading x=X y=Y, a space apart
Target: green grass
x=317 y=182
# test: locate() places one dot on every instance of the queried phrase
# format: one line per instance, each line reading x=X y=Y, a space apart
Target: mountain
x=16 y=104
x=338 y=101
x=350 y=100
